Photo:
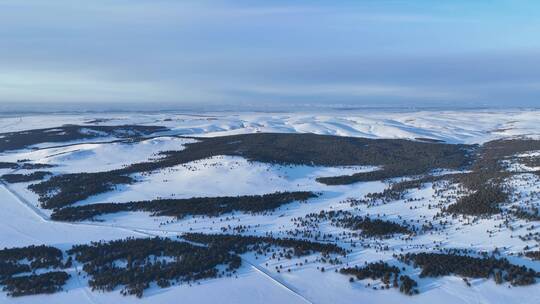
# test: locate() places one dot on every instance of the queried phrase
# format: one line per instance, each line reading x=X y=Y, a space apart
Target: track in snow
x=146 y=232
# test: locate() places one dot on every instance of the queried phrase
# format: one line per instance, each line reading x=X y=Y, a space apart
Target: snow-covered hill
x=450 y=126
x=24 y=222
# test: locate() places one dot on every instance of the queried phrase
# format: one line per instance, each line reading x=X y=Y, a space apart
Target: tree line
x=179 y=208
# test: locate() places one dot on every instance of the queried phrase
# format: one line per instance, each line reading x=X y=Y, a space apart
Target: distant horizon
x=125 y=107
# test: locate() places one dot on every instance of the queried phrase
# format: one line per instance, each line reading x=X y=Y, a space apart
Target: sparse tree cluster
x=16 y=263
x=484 y=201
x=241 y=243
x=45 y=283
x=8 y=165
x=370 y=227
x=443 y=264
x=531 y=161
x=23 y=139
x=37 y=256
x=24 y=178
x=388 y=275
x=488 y=173
x=136 y=263
x=535 y=255
x=533 y=214
x=63 y=190
x=24 y=165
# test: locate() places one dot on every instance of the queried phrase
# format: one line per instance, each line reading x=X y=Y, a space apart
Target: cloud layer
x=369 y=53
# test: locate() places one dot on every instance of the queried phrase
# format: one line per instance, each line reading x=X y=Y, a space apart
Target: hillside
x=413 y=208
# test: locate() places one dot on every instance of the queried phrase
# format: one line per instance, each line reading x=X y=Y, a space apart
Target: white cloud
x=223 y=51
x=47 y=86
x=358 y=90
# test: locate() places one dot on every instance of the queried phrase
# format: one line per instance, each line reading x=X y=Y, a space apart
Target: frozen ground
x=23 y=222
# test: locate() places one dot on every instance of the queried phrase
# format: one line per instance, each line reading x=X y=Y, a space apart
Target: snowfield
x=23 y=222
x=450 y=126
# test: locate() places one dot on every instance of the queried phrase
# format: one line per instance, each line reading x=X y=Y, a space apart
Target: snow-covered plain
x=23 y=222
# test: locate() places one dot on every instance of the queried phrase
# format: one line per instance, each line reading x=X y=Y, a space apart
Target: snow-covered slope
x=451 y=126
x=23 y=222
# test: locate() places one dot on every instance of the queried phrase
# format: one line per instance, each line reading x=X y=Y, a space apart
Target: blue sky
x=359 y=53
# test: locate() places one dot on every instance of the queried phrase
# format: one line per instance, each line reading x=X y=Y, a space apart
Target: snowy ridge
x=449 y=126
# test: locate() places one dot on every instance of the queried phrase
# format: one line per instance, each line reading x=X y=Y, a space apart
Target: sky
x=221 y=53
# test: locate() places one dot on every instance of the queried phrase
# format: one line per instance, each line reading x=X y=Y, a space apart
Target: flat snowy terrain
x=24 y=221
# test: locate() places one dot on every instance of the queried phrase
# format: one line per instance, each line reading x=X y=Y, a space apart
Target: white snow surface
x=23 y=222
x=474 y=126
